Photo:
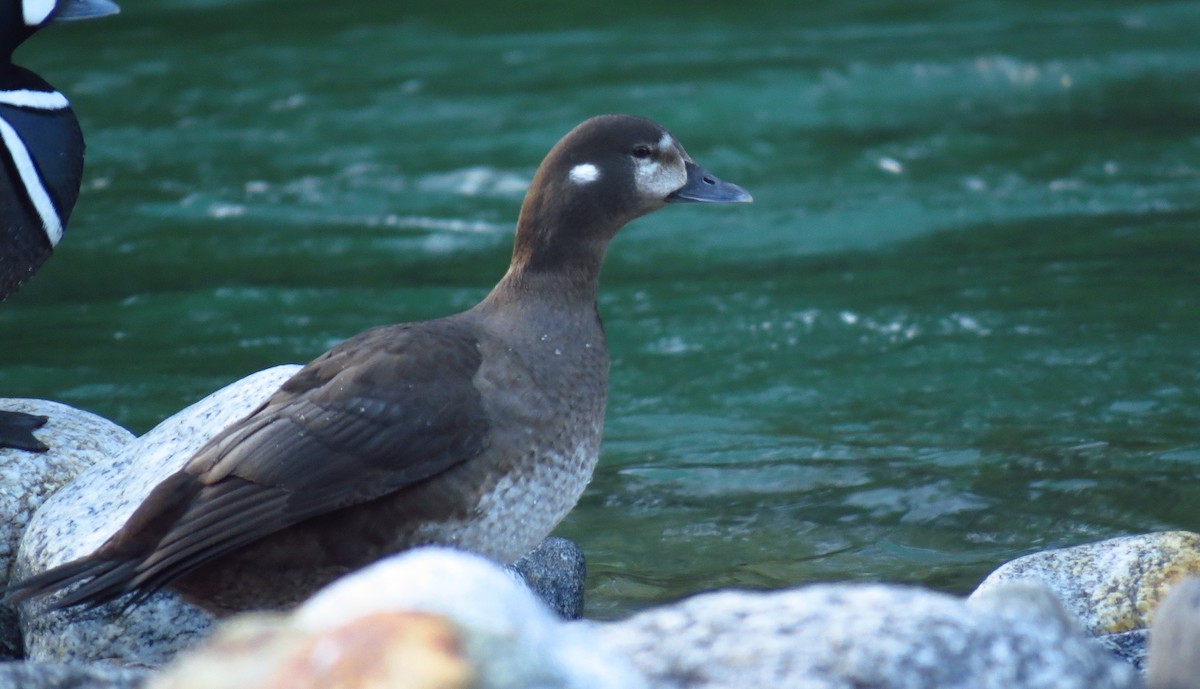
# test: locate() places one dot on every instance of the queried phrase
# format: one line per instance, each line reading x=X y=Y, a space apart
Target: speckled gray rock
x=884 y=637
x=77 y=439
x=22 y=675
x=1128 y=646
x=11 y=645
x=556 y=571
x=1112 y=586
x=509 y=636
x=81 y=516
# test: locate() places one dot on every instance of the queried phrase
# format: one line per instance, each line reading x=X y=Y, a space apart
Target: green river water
x=959 y=323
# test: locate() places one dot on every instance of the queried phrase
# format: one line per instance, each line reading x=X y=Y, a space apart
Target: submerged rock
x=556 y=571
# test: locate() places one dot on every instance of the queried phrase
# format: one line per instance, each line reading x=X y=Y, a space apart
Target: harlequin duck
x=40 y=143
x=478 y=430
x=41 y=164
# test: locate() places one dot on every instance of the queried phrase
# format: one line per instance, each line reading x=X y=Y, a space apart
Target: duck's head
x=603 y=174
x=19 y=19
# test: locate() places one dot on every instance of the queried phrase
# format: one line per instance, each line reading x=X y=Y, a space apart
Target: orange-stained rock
x=387 y=650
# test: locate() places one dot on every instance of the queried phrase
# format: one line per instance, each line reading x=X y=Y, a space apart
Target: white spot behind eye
x=657 y=178
x=36 y=11
x=584 y=173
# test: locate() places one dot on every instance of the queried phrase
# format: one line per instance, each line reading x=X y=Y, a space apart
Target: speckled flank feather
x=519 y=505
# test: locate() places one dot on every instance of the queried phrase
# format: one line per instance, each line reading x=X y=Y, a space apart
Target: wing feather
x=382 y=411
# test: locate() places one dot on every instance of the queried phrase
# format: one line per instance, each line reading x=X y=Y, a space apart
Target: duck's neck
x=539 y=305
x=11 y=37
x=569 y=289
x=557 y=253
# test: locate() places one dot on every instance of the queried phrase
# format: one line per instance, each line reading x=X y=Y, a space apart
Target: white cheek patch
x=36 y=11
x=584 y=173
x=658 y=179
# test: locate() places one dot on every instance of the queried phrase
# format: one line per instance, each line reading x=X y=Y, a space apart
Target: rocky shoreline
x=433 y=617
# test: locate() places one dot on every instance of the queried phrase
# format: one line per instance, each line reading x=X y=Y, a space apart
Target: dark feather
x=384 y=410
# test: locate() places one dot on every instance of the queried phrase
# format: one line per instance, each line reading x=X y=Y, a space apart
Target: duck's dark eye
x=641 y=151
